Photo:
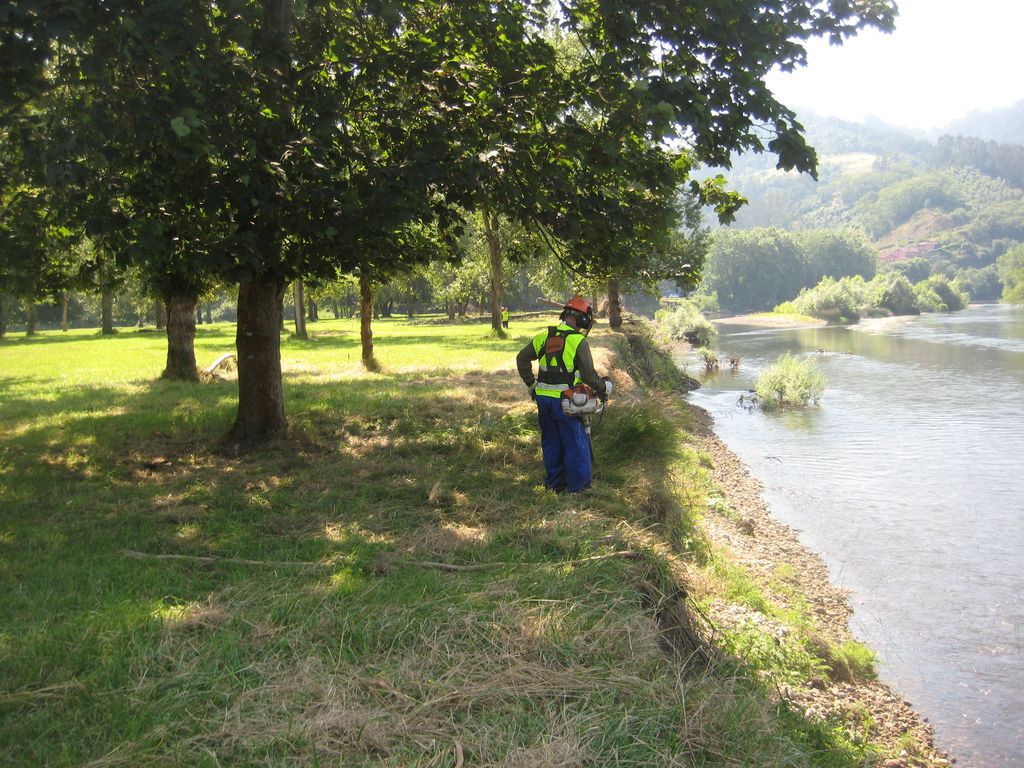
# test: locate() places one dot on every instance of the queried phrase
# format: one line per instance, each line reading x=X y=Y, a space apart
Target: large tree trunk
x=30 y=318
x=181 y=335
x=366 y=322
x=494 y=248
x=614 y=305
x=65 y=304
x=107 y=310
x=260 y=297
x=299 y=300
x=258 y=346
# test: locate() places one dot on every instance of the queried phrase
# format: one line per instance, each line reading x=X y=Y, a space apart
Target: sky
x=945 y=59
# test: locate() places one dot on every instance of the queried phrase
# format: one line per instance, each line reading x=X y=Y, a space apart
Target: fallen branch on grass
x=231 y=560
x=628 y=554
x=223 y=364
x=226 y=361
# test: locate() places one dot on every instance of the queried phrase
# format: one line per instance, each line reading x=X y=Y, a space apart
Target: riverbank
x=766 y=548
x=923 y=542
x=796 y=579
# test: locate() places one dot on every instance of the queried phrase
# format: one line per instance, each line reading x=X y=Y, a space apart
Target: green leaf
x=179 y=127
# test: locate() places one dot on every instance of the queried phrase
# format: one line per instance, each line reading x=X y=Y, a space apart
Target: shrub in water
x=833 y=300
x=790 y=382
x=687 y=322
x=927 y=299
x=892 y=291
x=951 y=298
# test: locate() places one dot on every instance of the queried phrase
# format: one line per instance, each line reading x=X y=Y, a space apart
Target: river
x=908 y=479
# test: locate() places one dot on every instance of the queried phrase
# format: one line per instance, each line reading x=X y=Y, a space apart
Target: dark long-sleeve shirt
x=584 y=363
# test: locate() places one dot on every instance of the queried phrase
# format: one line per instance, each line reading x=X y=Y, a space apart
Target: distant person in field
x=504 y=317
x=565 y=361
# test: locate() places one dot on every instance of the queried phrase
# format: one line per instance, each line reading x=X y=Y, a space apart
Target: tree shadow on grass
x=122 y=334
x=375 y=478
x=406 y=339
x=111 y=469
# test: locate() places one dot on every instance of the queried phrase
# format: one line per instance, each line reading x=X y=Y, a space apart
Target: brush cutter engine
x=581 y=400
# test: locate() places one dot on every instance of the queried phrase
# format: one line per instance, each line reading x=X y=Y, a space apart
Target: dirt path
x=784 y=568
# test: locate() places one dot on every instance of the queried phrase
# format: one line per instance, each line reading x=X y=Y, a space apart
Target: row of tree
x=268 y=142
x=456 y=290
x=849 y=299
x=756 y=269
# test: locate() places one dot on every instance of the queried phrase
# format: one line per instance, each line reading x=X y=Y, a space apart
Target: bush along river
x=908 y=480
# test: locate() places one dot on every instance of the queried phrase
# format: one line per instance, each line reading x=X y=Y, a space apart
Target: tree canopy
x=1011 y=271
x=262 y=141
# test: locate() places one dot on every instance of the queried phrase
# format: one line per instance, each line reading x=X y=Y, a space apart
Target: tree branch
x=229 y=560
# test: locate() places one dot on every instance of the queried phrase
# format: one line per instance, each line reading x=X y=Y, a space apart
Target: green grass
x=791 y=382
x=285 y=610
x=788 y=312
x=858 y=659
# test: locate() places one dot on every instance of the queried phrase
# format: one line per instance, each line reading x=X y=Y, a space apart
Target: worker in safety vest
x=504 y=317
x=565 y=361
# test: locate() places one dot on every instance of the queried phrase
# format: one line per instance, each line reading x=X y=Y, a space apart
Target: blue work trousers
x=565 y=445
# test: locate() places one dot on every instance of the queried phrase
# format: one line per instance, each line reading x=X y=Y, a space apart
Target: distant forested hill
x=1005 y=126
x=963 y=195
x=941 y=215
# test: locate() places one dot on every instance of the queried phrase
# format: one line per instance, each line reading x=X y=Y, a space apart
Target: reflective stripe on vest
x=556 y=351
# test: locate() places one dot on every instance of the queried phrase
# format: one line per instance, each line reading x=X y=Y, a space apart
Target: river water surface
x=909 y=481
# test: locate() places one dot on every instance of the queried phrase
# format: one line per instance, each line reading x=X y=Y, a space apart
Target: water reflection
x=908 y=480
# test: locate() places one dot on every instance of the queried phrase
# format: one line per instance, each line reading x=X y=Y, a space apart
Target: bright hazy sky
x=946 y=58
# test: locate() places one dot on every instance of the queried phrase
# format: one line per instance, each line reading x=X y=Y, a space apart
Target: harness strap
x=553 y=372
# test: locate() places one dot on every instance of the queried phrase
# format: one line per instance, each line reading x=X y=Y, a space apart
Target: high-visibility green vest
x=556 y=351
x=504 y=315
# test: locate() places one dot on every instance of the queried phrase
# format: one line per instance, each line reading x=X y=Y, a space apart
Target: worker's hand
x=532 y=387
x=608 y=387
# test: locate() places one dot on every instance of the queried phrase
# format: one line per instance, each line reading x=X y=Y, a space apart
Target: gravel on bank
x=761 y=544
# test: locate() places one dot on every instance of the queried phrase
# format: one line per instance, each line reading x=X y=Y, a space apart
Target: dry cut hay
x=427 y=698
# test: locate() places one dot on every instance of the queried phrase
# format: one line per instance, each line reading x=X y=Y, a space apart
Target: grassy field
x=389 y=585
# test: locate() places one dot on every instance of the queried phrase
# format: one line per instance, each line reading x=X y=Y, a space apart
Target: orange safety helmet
x=581 y=309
